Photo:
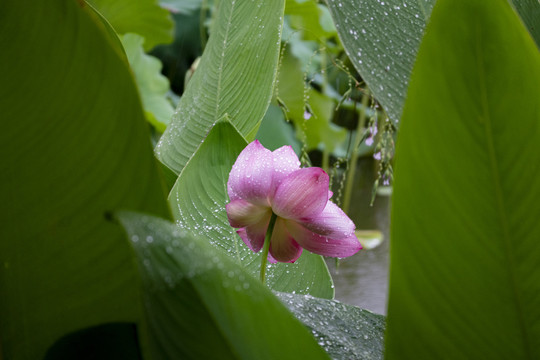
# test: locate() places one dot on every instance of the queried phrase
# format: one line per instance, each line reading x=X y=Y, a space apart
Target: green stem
x=266 y=246
x=354 y=154
x=326 y=160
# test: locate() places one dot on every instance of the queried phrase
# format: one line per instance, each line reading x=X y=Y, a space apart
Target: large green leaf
x=74 y=146
x=201 y=305
x=381 y=38
x=235 y=78
x=198 y=202
x=344 y=331
x=465 y=280
x=143 y=17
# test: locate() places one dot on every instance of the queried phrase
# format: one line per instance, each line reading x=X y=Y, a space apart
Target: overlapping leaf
x=465 y=280
x=382 y=37
x=529 y=10
x=75 y=146
x=234 y=78
x=202 y=305
x=344 y=331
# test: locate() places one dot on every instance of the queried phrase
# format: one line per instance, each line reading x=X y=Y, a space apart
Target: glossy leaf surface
x=465 y=280
x=201 y=305
x=344 y=331
x=381 y=38
x=234 y=78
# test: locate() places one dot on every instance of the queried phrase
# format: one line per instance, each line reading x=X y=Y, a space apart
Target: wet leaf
x=201 y=305
x=381 y=39
x=344 y=331
x=234 y=78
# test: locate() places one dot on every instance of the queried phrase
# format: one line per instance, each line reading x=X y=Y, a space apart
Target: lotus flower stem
x=267 y=245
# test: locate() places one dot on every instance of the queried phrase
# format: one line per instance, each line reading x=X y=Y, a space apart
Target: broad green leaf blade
x=381 y=38
x=152 y=85
x=235 y=78
x=344 y=331
x=465 y=280
x=74 y=146
x=201 y=305
x=143 y=17
x=198 y=202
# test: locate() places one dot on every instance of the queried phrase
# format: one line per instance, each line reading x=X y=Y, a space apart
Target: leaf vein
x=487 y=122
x=222 y=59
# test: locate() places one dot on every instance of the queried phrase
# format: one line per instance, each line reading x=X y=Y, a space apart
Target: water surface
x=362 y=280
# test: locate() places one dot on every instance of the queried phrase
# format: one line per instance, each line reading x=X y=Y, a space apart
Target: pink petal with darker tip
x=323 y=245
x=302 y=194
x=331 y=222
x=283 y=248
x=253 y=236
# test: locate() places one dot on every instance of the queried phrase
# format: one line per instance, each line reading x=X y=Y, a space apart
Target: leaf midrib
x=221 y=61
x=510 y=258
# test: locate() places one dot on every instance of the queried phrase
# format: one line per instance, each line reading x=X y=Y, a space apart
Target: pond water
x=362 y=280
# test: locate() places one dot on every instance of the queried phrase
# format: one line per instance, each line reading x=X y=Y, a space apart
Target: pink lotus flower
x=262 y=182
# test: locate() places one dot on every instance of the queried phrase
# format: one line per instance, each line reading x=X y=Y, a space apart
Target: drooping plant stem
x=354 y=152
x=266 y=246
